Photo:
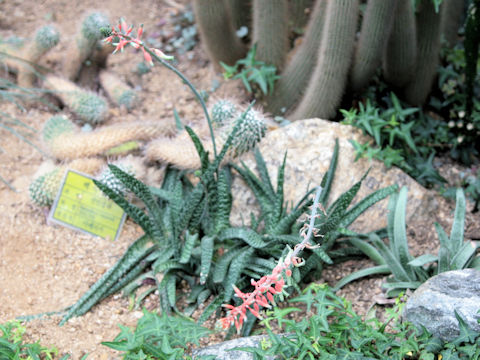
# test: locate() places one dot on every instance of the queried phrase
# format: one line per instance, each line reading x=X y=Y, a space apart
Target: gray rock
x=310 y=146
x=221 y=350
x=434 y=303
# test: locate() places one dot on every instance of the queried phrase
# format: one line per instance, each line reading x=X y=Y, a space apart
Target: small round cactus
x=55 y=126
x=47 y=37
x=43 y=189
x=92 y=25
x=89 y=107
x=251 y=131
x=107 y=178
x=223 y=111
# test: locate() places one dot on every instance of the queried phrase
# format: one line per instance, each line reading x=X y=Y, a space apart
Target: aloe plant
x=188 y=235
x=395 y=259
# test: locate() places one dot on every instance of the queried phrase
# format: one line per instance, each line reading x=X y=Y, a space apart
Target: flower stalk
x=273 y=284
x=123 y=34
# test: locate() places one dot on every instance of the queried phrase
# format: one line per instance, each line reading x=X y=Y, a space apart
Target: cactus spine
x=428 y=53
x=400 y=54
x=291 y=85
x=270 y=31
x=328 y=82
x=217 y=32
x=71 y=145
x=84 y=44
x=117 y=90
x=374 y=34
x=87 y=105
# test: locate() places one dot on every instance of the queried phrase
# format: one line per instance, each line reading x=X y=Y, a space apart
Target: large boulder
x=434 y=303
x=310 y=144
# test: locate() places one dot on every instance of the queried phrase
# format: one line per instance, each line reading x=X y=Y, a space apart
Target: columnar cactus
x=65 y=145
x=428 y=53
x=270 y=31
x=44 y=188
x=88 y=106
x=45 y=38
x=376 y=26
x=84 y=44
x=400 y=54
x=291 y=85
x=117 y=90
x=217 y=32
x=328 y=81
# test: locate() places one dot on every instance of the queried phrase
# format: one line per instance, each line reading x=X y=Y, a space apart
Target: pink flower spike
x=129 y=30
x=238 y=292
x=288 y=272
x=140 y=31
x=147 y=57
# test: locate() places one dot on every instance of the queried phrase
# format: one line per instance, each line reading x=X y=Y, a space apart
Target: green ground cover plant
x=409 y=272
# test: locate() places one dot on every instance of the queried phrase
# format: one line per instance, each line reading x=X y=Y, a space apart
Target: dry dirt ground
x=46 y=268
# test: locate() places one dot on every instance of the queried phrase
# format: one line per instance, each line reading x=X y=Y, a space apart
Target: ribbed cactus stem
x=428 y=53
x=294 y=80
x=376 y=26
x=44 y=188
x=329 y=79
x=117 y=90
x=270 y=31
x=400 y=54
x=88 y=106
x=452 y=20
x=71 y=145
x=240 y=12
x=299 y=11
x=217 y=32
x=84 y=44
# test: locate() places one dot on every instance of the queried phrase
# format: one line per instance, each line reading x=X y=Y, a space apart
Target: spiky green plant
x=43 y=189
x=408 y=272
x=188 y=235
x=222 y=111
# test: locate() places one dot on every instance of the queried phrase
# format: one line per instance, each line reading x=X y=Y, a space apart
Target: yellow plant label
x=82 y=206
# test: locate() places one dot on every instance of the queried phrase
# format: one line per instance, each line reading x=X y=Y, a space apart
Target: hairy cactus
x=87 y=105
x=376 y=26
x=217 y=32
x=291 y=85
x=400 y=54
x=428 y=53
x=117 y=90
x=74 y=144
x=84 y=44
x=222 y=111
x=44 y=188
x=180 y=151
x=251 y=131
x=328 y=81
x=22 y=58
x=270 y=31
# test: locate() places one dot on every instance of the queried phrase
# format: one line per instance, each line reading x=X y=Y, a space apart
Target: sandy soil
x=46 y=268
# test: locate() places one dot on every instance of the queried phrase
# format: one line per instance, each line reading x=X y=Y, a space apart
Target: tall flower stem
x=192 y=87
